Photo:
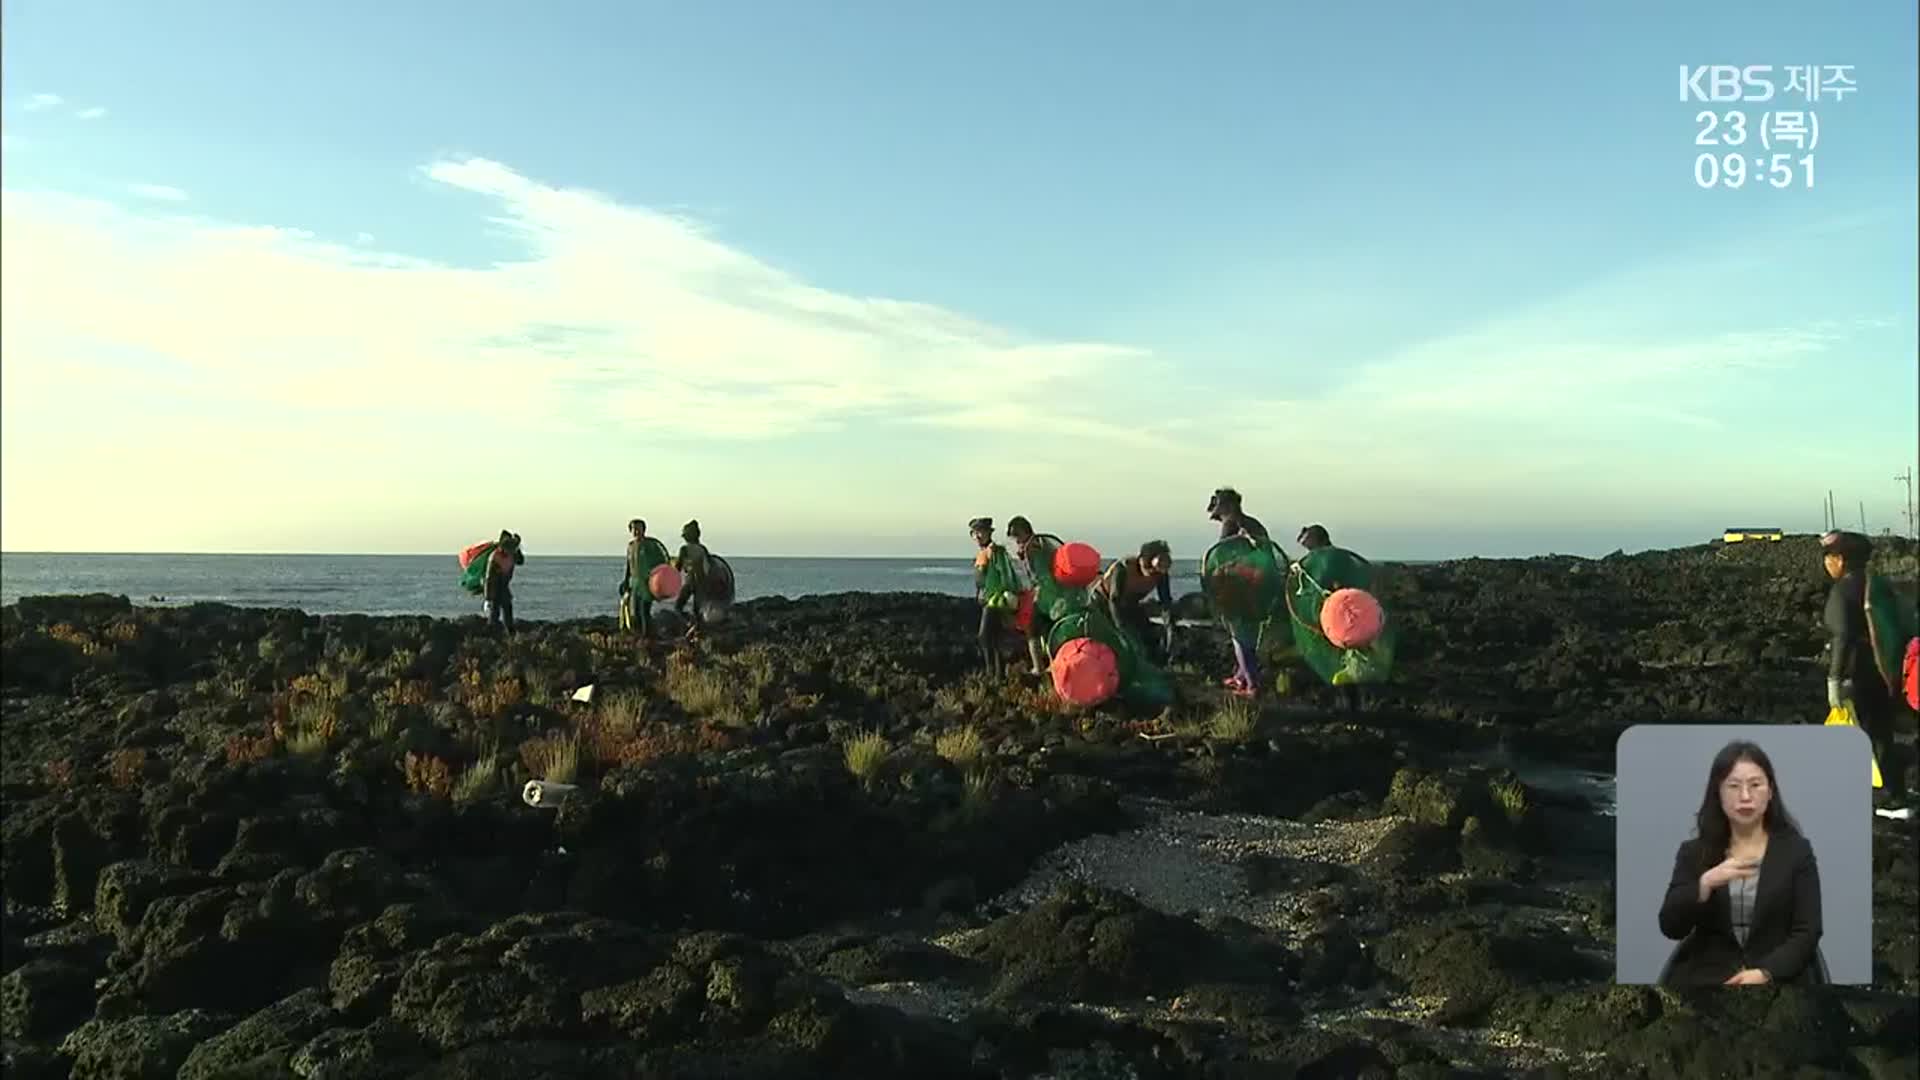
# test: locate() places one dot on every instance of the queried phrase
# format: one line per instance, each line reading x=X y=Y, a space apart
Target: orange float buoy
x=1076 y=565
x=1352 y=618
x=1085 y=672
x=664 y=583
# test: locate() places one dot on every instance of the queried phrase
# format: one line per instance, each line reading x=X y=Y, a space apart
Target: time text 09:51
x=1735 y=170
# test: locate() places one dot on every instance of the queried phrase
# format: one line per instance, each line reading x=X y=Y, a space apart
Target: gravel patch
x=1187 y=863
x=915 y=998
x=1485 y=1047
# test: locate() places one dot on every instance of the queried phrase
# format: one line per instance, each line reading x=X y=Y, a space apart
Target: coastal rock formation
x=245 y=842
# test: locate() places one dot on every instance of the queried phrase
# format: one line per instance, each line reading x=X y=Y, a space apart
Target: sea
x=545 y=587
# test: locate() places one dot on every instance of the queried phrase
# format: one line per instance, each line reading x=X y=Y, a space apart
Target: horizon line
x=952 y=557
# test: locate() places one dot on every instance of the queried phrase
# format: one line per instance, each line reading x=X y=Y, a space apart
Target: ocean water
x=556 y=587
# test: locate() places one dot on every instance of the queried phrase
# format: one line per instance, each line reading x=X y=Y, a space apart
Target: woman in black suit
x=1744 y=902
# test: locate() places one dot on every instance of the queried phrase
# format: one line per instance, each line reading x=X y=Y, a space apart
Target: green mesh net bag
x=717 y=589
x=1318 y=575
x=1245 y=584
x=1141 y=682
x=473 y=567
x=1052 y=599
x=999 y=582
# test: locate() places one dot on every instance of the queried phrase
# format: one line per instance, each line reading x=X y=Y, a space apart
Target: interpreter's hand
x=1730 y=870
x=1748 y=977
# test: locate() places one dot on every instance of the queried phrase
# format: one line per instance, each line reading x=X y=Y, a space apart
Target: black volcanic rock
x=240 y=842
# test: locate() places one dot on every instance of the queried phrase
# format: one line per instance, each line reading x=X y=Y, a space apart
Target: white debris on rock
x=1187 y=863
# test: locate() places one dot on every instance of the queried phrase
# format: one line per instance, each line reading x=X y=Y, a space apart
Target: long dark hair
x=1714 y=828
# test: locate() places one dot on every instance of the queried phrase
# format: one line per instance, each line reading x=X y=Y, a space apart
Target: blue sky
x=836 y=278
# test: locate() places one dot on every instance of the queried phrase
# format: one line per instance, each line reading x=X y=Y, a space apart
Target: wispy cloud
x=93 y=112
x=161 y=192
x=665 y=326
x=38 y=102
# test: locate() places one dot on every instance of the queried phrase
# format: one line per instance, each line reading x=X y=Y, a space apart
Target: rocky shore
x=252 y=843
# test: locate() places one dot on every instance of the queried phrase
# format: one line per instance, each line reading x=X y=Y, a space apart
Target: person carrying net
x=1330 y=568
x=694 y=565
x=997 y=587
x=644 y=553
x=506 y=555
x=1033 y=556
x=1225 y=508
x=1867 y=628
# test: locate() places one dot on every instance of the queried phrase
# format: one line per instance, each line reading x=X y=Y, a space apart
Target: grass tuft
x=480 y=778
x=312 y=726
x=1234 y=723
x=554 y=756
x=864 y=754
x=961 y=746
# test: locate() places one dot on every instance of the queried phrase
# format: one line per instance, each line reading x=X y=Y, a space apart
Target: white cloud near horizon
x=623 y=348
x=39 y=102
x=92 y=112
x=160 y=192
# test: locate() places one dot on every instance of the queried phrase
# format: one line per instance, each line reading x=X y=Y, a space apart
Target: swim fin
x=1842 y=716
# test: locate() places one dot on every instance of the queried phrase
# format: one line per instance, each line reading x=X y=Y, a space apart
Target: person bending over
x=1126 y=585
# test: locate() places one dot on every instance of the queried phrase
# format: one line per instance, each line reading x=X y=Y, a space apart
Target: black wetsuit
x=989 y=617
x=693 y=567
x=1850 y=658
x=1040 y=623
x=499 y=590
x=1125 y=601
x=1232 y=524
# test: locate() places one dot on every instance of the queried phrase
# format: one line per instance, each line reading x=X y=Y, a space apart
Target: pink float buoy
x=1085 y=672
x=1076 y=565
x=664 y=583
x=1352 y=618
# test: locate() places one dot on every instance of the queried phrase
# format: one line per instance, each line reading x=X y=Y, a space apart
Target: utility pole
x=1907 y=479
x=1863 y=517
x=1827 y=508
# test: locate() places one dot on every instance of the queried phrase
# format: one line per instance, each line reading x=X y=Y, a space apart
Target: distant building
x=1737 y=536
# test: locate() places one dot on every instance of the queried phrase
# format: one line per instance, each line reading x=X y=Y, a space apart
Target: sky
x=836 y=278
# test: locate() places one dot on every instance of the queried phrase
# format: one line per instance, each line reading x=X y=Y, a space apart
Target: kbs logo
x=1726 y=82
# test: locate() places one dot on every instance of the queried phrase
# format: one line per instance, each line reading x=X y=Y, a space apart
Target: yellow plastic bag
x=1842 y=716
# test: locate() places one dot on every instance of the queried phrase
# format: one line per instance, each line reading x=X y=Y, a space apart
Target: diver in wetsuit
x=644 y=553
x=1224 y=507
x=1314 y=538
x=990 y=615
x=1234 y=521
x=1854 y=667
x=692 y=564
x=1126 y=585
x=498 y=590
x=1028 y=546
